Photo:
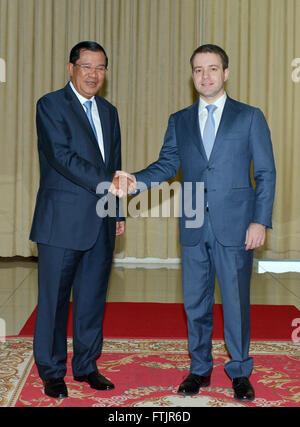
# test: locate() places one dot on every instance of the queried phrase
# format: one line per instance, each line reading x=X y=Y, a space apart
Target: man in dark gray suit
x=215 y=142
x=79 y=146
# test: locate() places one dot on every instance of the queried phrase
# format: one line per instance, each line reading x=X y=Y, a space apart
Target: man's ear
x=70 y=68
x=226 y=74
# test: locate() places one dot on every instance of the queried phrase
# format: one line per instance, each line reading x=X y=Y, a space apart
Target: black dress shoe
x=192 y=384
x=96 y=381
x=56 y=387
x=243 y=390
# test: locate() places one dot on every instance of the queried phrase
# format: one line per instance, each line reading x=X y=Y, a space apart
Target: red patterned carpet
x=147 y=373
x=145 y=354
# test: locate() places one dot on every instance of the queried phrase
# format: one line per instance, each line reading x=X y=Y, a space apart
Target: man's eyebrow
x=210 y=65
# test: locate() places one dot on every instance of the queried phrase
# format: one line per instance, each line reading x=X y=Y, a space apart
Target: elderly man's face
x=88 y=74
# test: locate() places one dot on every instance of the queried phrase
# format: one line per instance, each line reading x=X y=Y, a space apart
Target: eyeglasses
x=88 y=69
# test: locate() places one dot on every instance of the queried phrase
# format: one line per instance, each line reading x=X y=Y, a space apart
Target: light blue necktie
x=88 y=106
x=209 y=132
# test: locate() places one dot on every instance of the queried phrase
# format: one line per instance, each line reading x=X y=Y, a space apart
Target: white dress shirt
x=203 y=113
x=95 y=116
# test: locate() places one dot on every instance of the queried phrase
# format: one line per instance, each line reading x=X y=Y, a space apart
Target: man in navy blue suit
x=79 y=146
x=215 y=142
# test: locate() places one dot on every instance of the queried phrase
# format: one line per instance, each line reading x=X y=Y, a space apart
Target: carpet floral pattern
x=147 y=373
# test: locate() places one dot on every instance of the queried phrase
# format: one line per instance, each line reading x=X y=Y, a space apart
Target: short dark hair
x=86 y=45
x=211 y=48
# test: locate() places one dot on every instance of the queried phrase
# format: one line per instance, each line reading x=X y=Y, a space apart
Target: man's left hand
x=255 y=236
x=120 y=228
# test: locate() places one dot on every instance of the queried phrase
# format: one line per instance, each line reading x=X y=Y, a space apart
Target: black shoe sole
x=57 y=396
x=184 y=393
x=245 y=399
x=84 y=380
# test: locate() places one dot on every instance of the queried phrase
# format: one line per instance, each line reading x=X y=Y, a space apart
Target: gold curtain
x=262 y=37
x=149 y=43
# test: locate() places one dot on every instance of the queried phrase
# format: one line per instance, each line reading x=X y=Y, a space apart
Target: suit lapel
x=192 y=121
x=104 y=119
x=82 y=117
x=227 y=121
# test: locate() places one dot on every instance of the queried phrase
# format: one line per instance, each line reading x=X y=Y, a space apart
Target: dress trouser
x=88 y=273
x=233 y=266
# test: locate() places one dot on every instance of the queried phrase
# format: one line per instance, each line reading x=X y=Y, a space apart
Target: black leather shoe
x=192 y=384
x=242 y=388
x=56 y=387
x=96 y=381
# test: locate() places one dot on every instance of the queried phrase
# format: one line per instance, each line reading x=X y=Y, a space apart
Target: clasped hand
x=123 y=184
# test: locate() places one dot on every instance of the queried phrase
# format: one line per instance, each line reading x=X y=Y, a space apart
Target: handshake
x=123 y=184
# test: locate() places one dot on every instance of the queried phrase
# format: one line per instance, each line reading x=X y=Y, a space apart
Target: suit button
x=209 y=168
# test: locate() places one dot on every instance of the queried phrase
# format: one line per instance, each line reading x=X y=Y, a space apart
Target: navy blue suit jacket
x=71 y=167
x=243 y=136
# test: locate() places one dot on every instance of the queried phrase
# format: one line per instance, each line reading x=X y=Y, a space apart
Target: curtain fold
x=149 y=43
